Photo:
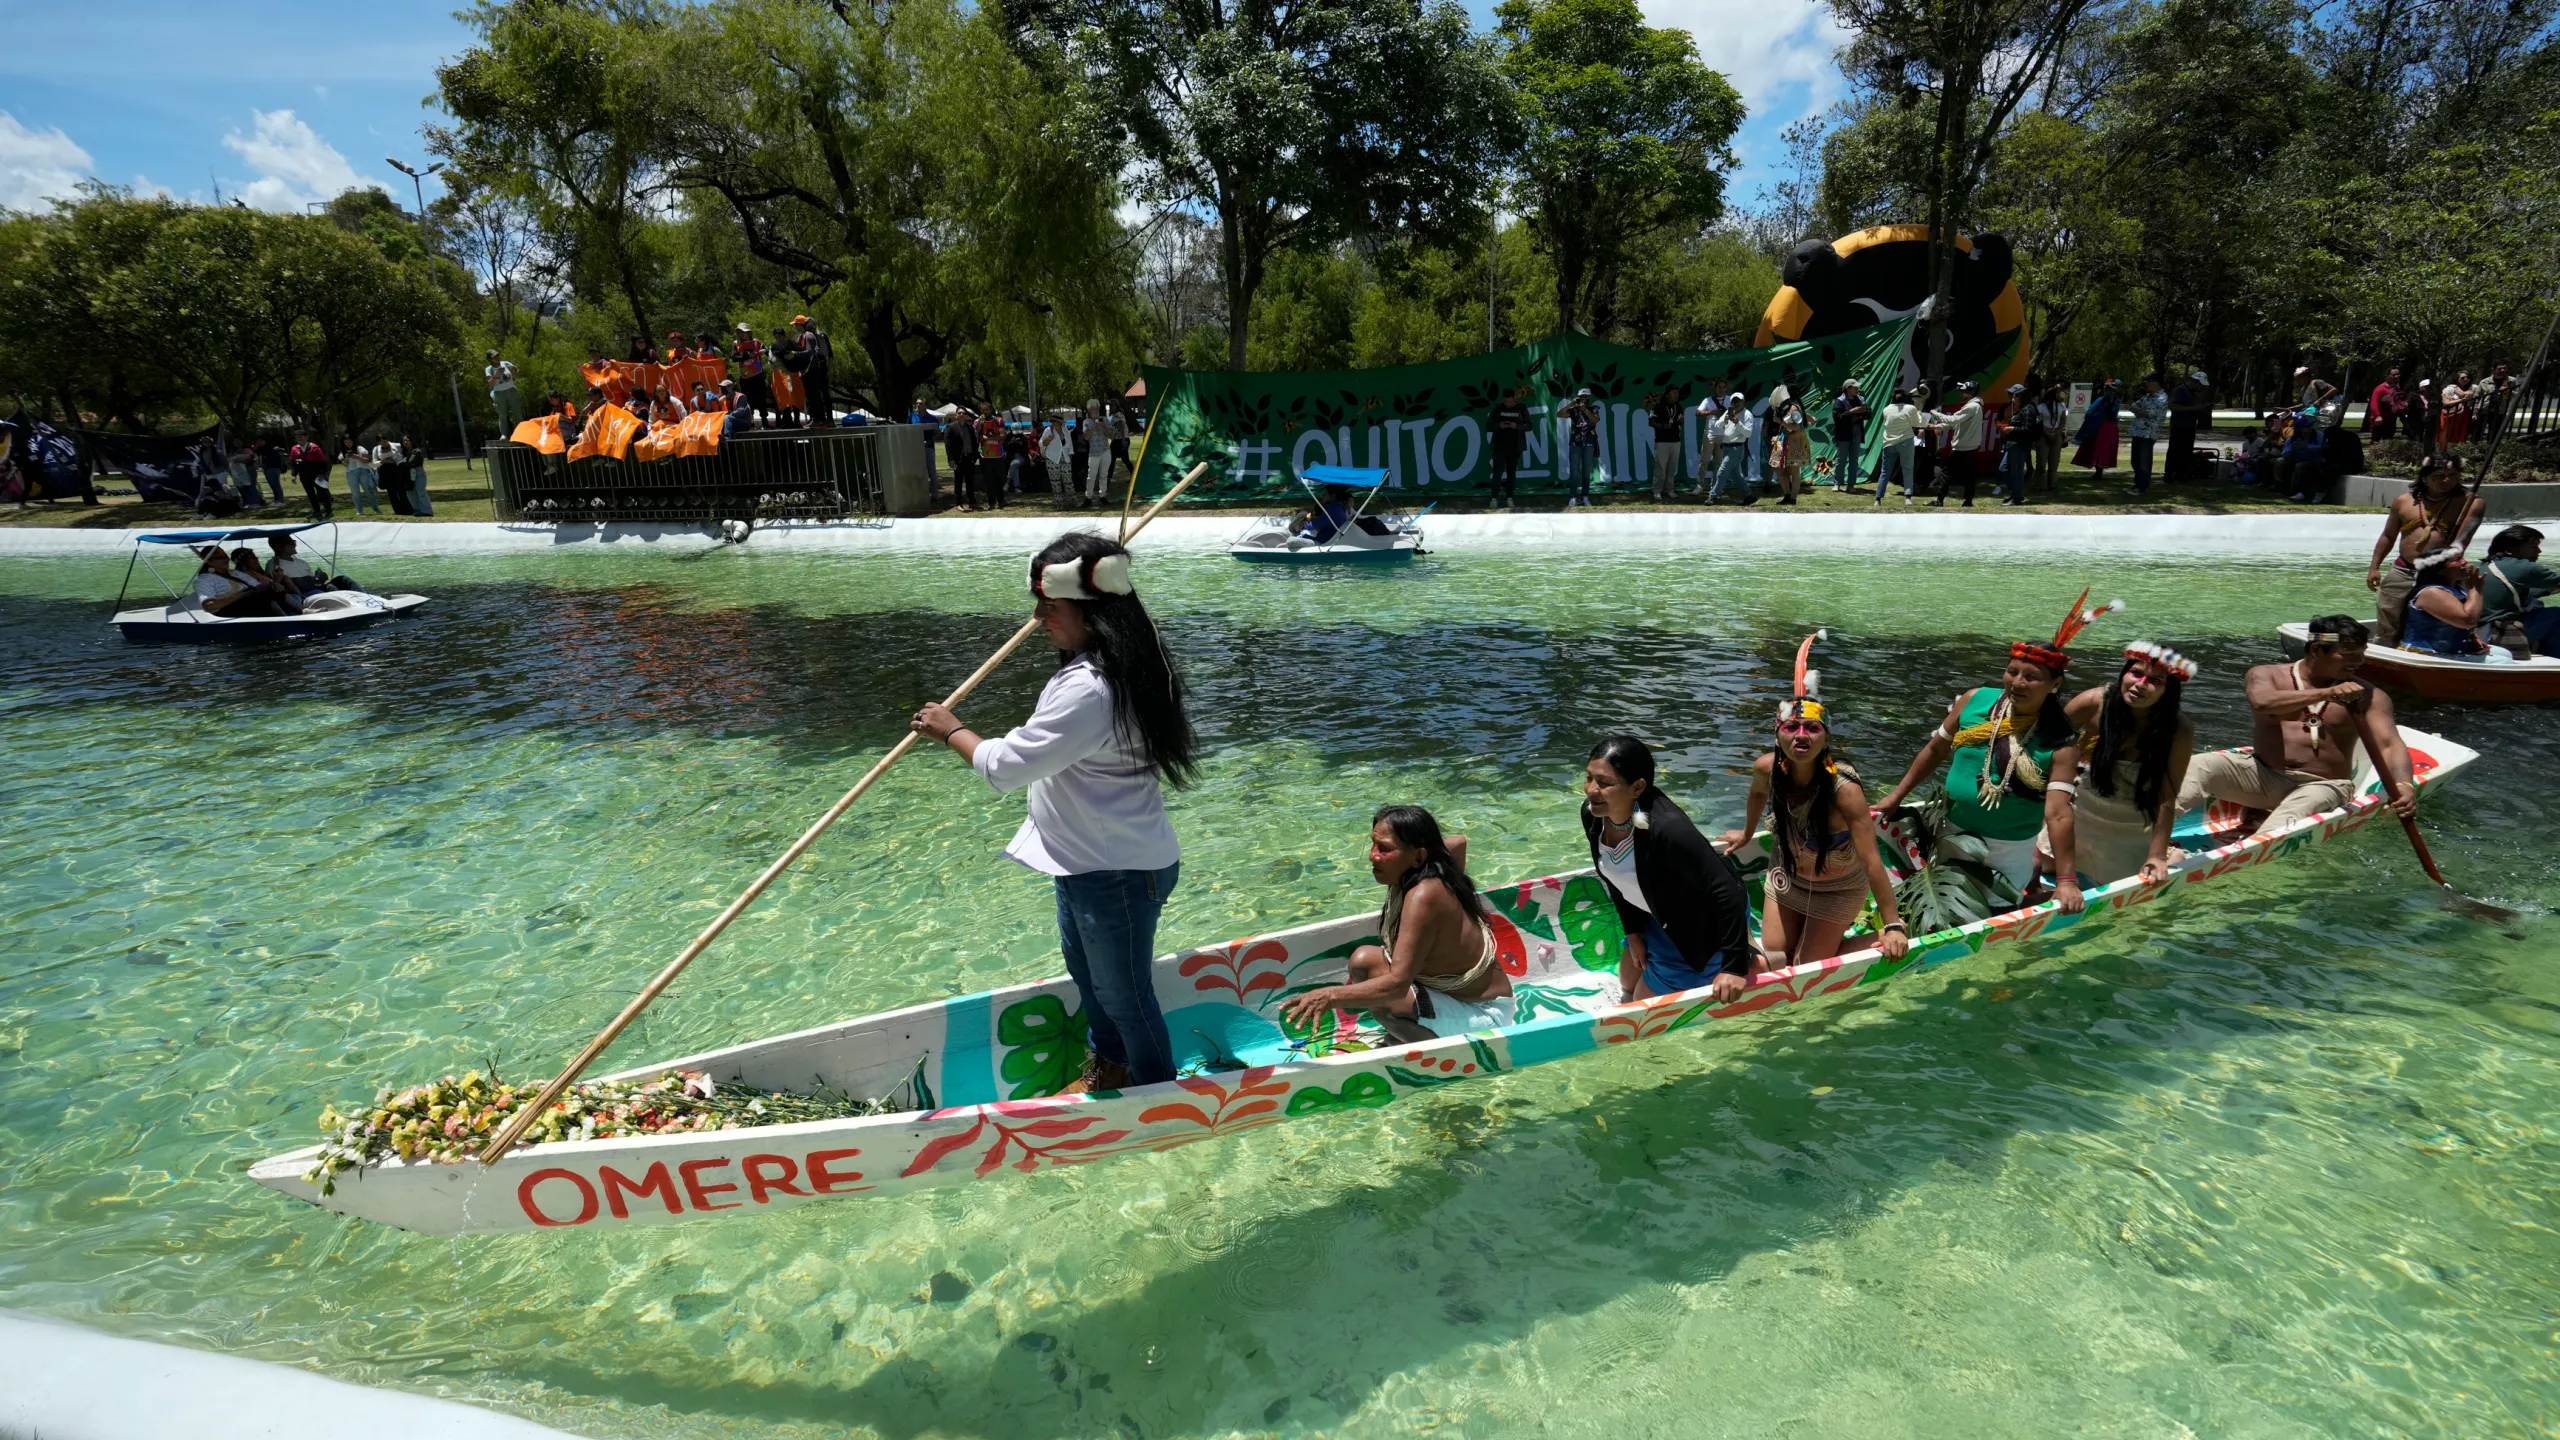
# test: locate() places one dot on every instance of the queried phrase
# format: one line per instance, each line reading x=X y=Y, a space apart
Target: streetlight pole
x=427 y=238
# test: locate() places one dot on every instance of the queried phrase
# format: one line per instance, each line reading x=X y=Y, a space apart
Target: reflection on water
x=2277 y=1163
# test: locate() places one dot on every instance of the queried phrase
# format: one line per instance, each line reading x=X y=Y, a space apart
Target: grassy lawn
x=461 y=493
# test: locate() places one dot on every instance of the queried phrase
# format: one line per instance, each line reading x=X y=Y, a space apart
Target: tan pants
x=2391 y=603
x=2247 y=782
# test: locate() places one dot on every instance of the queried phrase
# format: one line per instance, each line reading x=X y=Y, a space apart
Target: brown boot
x=1099 y=1074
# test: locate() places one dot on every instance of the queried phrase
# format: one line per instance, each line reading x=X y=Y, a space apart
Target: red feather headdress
x=1807 y=702
x=2053 y=656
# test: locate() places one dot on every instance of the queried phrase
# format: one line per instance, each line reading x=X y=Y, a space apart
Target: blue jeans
x=1846 y=457
x=1107 y=927
x=1735 y=467
x=2017 y=471
x=275 y=481
x=1897 y=459
x=1579 y=462
x=2142 y=448
x=1667 y=971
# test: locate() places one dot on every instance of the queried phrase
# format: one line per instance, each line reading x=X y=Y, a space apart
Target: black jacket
x=1695 y=891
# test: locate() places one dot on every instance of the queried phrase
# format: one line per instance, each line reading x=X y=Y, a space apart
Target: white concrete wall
x=2309 y=532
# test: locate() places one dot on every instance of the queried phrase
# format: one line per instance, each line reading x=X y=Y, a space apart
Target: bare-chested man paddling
x=2307 y=714
x=2436 y=514
x=1437 y=973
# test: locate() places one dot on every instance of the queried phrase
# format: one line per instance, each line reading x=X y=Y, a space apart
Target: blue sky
x=284 y=102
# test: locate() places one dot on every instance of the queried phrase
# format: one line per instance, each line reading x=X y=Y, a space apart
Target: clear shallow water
x=2275 y=1164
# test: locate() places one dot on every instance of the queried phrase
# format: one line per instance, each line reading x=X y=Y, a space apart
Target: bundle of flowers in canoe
x=447 y=1121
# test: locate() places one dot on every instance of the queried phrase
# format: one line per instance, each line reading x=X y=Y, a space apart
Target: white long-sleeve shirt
x=1901 y=423
x=1095 y=803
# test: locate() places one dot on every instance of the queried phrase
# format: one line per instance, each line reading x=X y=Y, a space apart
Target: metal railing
x=769 y=475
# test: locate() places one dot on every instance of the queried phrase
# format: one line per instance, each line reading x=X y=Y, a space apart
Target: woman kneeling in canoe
x=1687 y=921
x=2000 y=745
x=1435 y=970
x=2134 y=747
x=1826 y=863
x=1108 y=730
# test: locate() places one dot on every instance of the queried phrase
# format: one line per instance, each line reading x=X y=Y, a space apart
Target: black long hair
x=1817 y=816
x=1146 y=691
x=1633 y=760
x=1415 y=828
x=2116 y=719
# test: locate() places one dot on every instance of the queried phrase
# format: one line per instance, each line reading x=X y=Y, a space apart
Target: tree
x=904 y=164
x=553 y=104
x=2050 y=192
x=1291 y=123
x=1629 y=137
x=1978 y=62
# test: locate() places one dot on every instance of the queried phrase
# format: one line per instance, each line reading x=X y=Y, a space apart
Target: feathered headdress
x=2168 y=659
x=2053 y=656
x=1807 y=701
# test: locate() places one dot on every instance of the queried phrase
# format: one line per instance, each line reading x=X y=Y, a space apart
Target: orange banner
x=699 y=433
x=542 y=432
x=610 y=431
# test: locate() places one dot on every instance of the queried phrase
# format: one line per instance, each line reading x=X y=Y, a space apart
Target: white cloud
x=1774 y=51
x=37 y=165
x=295 y=166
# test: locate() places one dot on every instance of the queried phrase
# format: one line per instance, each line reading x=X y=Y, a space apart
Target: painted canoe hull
x=175 y=625
x=989 y=1064
x=2448 y=677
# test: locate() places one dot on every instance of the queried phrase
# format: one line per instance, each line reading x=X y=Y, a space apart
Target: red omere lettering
x=784 y=1172
x=657 y=1182
x=829 y=1181
x=586 y=1196
x=699 y=1191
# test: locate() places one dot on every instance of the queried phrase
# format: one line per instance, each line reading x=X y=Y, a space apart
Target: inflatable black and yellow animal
x=1883 y=274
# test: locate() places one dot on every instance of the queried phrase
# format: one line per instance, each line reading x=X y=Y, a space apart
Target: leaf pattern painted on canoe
x=1044 y=1046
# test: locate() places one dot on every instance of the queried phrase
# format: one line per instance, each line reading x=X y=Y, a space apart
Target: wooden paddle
x=2454 y=900
x=524 y=1119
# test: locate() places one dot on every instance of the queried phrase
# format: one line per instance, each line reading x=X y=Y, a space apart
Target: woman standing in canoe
x=1108 y=732
x=1826 y=863
x=1999 y=747
x=2134 y=747
x=1687 y=922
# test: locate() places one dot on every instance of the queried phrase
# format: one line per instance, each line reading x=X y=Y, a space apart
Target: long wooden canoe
x=2474 y=679
x=990 y=1064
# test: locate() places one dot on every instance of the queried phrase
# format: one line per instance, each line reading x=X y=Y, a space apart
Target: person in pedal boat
x=2436 y=514
x=1326 y=522
x=1826 y=863
x=2000 y=746
x=2513 y=582
x=2444 y=610
x=1687 y=921
x=2135 y=746
x=1108 y=732
x=2311 y=714
x=1434 y=971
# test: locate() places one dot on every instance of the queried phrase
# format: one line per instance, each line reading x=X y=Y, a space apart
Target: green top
x=2019 y=813
x=2525 y=581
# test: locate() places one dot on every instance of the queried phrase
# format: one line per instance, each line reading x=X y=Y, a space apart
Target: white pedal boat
x=183 y=620
x=1360 y=538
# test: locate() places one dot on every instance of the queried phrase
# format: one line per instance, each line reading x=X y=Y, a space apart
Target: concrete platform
x=2506 y=502
x=60 y=1381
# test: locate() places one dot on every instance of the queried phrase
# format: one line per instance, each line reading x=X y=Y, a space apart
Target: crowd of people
x=2066 y=792
x=1074 y=457
x=388 y=475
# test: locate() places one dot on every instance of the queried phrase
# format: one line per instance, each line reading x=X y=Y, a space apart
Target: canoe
x=984 y=1068
x=2473 y=679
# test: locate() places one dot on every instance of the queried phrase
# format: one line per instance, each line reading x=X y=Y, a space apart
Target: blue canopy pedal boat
x=1362 y=538
x=184 y=620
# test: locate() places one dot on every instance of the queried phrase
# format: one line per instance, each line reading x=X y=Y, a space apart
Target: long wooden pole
x=2453 y=898
x=524 y=1119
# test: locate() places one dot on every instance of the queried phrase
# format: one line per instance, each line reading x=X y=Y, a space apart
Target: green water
x=2277 y=1163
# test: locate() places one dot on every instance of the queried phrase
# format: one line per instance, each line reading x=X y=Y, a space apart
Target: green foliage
x=1956 y=884
x=1629 y=137
x=234 y=311
x=1295 y=126
x=1044 y=1046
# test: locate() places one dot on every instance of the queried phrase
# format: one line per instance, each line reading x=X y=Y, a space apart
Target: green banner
x=1426 y=425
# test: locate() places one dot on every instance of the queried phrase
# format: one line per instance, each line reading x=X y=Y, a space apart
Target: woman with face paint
x=2000 y=746
x=1823 y=860
x=1108 y=731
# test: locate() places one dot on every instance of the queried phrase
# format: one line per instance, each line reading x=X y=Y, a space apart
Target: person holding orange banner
x=790 y=392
